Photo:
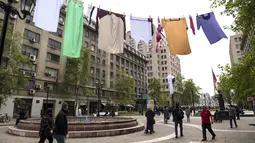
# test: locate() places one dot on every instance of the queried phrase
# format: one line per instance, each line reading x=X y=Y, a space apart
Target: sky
x=204 y=56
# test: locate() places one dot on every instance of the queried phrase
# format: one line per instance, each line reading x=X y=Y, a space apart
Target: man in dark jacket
x=22 y=116
x=178 y=115
x=46 y=127
x=61 y=129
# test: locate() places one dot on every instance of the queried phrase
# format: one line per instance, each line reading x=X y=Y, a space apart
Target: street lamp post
x=47 y=98
x=26 y=7
x=205 y=99
x=193 y=101
x=99 y=86
x=142 y=102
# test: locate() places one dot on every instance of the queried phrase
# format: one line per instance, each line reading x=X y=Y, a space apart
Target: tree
x=183 y=90
x=125 y=85
x=191 y=90
x=77 y=74
x=243 y=12
x=9 y=70
x=240 y=77
x=155 y=88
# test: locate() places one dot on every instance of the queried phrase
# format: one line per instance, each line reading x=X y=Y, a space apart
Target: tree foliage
x=155 y=88
x=240 y=77
x=186 y=89
x=125 y=85
x=243 y=12
x=77 y=72
x=13 y=53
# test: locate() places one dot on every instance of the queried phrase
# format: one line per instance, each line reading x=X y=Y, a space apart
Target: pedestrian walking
x=187 y=111
x=166 y=115
x=150 y=121
x=207 y=123
x=61 y=127
x=178 y=115
x=232 y=116
x=22 y=116
x=46 y=127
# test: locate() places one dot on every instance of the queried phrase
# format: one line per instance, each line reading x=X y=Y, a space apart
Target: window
x=54 y=44
x=111 y=74
x=58 y=33
x=93 y=37
x=92 y=58
x=28 y=67
x=98 y=72
x=51 y=72
x=93 y=48
x=53 y=57
x=86 y=44
x=98 y=60
x=103 y=62
x=86 y=33
x=52 y=86
x=30 y=84
x=31 y=35
x=91 y=70
x=27 y=50
x=111 y=65
x=29 y=19
x=111 y=56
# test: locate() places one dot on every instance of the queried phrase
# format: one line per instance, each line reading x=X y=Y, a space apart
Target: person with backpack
x=46 y=127
x=178 y=115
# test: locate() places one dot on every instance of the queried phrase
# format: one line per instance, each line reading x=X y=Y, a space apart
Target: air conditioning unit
x=33 y=74
x=32 y=58
x=38 y=86
x=31 y=91
x=61 y=21
x=13 y=16
x=32 y=40
x=23 y=72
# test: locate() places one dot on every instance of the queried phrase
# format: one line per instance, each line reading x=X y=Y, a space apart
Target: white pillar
x=36 y=107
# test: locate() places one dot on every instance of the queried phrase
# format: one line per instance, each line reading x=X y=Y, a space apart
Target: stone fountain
x=78 y=128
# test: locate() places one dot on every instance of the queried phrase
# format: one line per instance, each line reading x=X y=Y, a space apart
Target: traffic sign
x=250 y=98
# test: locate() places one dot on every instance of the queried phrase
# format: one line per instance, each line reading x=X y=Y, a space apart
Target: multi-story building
x=48 y=70
x=235 y=51
x=160 y=64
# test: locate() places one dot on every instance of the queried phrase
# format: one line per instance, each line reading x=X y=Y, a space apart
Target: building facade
x=235 y=51
x=160 y=64
x=49 y=68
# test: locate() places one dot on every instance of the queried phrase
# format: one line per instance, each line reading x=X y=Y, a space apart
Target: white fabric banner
x=170 y=82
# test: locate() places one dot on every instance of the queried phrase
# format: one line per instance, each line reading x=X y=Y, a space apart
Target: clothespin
x=131 y=15
x=91 y=5
x=212 y=10
x=197 y=14
x=164 y=17
x=99 y=7
x=124 y=13
x=158 y=20
x=110 y=12
x=150 y=17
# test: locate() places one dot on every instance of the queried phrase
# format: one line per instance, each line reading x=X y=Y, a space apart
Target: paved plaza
x=164 y=134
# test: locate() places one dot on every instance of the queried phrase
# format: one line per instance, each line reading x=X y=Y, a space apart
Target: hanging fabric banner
x=72 y=41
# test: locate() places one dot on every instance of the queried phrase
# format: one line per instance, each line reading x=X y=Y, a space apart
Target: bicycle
x=5 y=118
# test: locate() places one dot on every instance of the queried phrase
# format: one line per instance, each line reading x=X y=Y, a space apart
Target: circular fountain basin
x=78 y=128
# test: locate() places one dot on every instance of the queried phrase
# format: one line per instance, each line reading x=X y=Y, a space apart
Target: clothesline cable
x=130 y=15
